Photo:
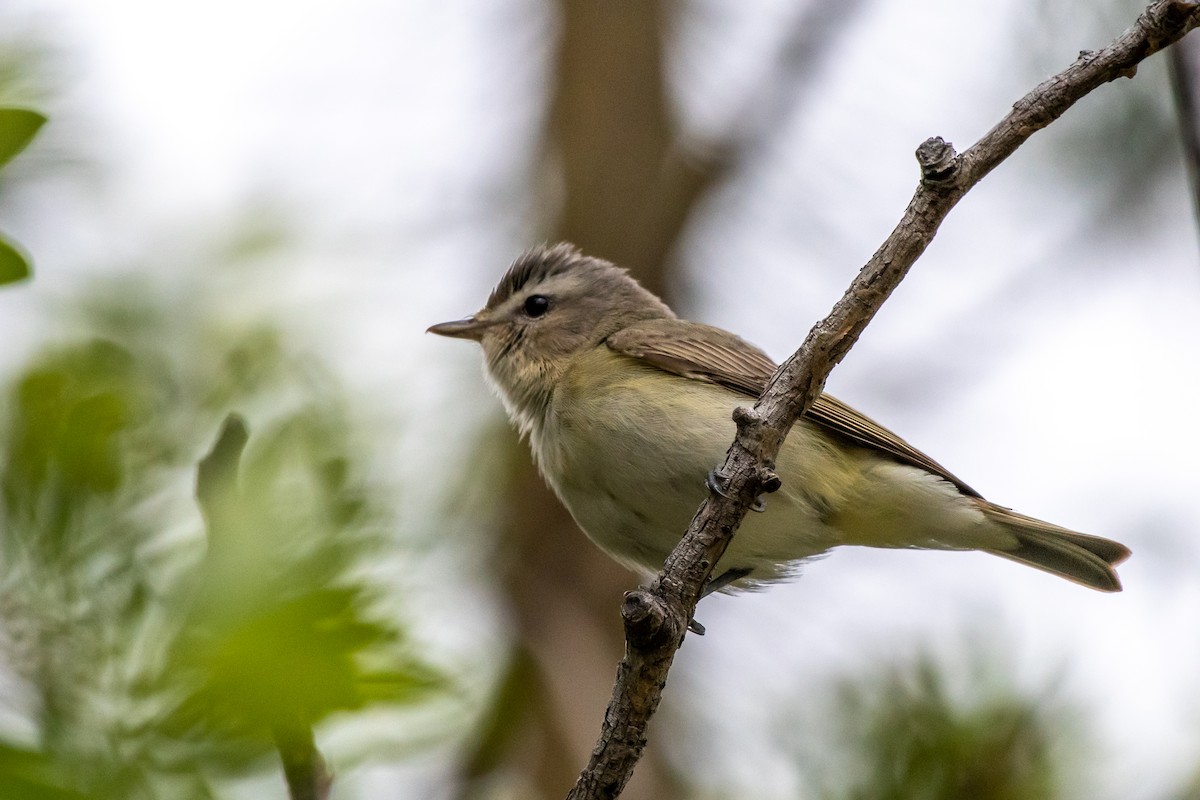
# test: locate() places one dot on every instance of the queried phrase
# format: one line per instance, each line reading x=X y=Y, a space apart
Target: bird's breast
x=626 y=447
x=629 y=468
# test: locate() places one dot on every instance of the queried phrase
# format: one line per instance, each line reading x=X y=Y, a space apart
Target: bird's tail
x=1078 y=557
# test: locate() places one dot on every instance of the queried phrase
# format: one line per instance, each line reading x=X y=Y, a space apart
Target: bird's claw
x=716 y=481
x=696 y=627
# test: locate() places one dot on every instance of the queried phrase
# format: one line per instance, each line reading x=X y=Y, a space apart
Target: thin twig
x=303 y=767
x=1185 y=85
x=656 y=618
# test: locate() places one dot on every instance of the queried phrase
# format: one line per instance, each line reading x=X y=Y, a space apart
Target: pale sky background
x=393 y=131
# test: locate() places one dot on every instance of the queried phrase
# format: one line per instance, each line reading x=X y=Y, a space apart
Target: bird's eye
x=536 y=305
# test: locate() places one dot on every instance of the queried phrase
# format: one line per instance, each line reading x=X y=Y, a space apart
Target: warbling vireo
x=628 y=408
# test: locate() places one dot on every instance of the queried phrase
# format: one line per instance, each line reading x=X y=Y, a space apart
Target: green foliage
x=279 y=632
x=154 y=654
x=28 y=775
x=14 y=266
x=909 y=738
x=18 y=126
x=66 y=413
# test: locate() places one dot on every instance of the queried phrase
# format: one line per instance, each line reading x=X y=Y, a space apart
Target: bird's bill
x=469 y=328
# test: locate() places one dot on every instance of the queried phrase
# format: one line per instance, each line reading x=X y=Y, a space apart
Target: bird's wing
x=699 y=352
x=836 y=416
x=704 y=353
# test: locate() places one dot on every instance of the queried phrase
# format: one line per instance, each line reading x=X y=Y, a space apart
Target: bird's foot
x=716 y=481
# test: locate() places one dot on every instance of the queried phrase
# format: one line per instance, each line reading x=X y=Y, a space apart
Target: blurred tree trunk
x=608 y=139
x=609 y=134
x=629 y=187
x=610 y=128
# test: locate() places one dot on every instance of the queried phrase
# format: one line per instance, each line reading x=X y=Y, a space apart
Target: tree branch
x=656 y=617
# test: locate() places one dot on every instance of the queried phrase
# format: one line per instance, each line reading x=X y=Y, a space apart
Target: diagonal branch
x=656 y=618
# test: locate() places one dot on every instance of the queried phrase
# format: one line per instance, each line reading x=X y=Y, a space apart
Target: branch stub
x=648 y=624
x=937 y=160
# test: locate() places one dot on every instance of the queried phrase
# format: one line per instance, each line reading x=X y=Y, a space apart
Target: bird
x=628 y=409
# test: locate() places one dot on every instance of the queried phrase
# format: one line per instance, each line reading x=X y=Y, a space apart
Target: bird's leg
x=716 y=584
x=724 y=579
x=716 y=481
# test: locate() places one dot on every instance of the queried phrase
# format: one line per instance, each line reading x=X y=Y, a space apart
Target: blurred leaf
x=13 y=265
x=28 y=775
x=89 y=459
x=280 y=634
x=18 y=126
x=146 y=661
x=296 y=661
x=911 y=739
x=217 y=473
x=63 y=450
